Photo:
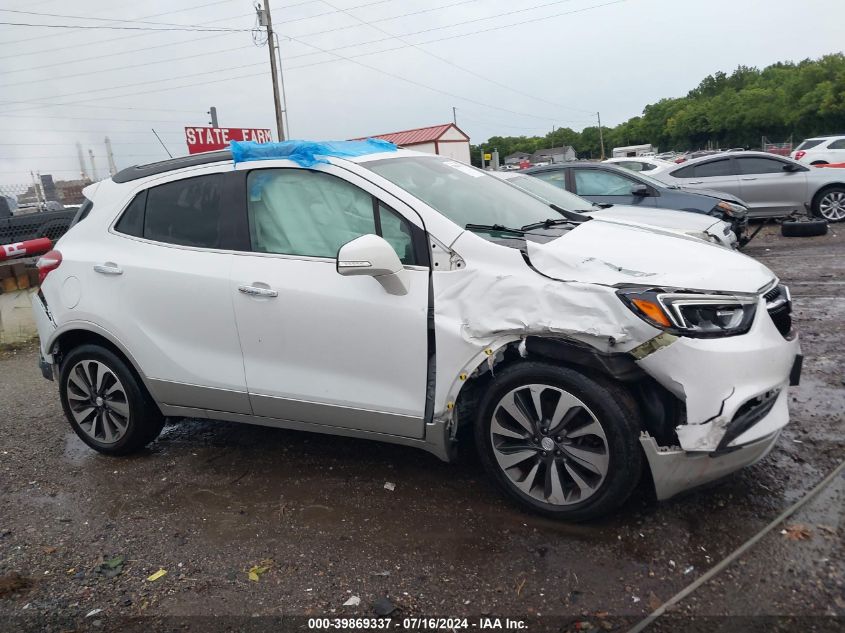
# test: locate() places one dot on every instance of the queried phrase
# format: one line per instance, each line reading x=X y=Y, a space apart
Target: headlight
x=731 y=209
x=692 y=314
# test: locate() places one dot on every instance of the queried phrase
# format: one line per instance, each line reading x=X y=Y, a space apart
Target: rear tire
x=577 y=458
x=811 y=228
x=105 y=402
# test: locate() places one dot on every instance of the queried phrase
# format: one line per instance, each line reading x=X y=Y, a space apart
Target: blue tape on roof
x=307 y=153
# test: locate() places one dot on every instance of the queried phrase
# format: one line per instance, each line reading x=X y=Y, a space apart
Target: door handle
x=108 y=269
x=696 y=182
x=749 y=179
x=255 y=291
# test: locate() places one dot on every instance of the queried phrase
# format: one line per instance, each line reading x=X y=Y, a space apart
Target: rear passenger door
x=768 y=189
x=165 y=282
x=318 y=347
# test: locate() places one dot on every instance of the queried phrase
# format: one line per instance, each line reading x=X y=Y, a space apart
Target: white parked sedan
x=771 y=185
x=355 y=289
x=684 y=223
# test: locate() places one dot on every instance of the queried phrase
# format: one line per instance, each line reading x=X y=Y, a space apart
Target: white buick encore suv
x=355 y=289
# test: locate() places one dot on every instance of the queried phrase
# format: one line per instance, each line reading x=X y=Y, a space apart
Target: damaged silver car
x=360 y=290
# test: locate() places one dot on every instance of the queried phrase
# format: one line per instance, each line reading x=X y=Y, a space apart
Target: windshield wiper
x=570 y=215
x=547 y=224
x=494 y=227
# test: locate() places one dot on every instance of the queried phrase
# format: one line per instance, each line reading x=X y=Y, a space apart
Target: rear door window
x=199 y=212
x=132 y=220
x=721 y=167
x=186 y=212
x=810 y=144
x=839 y=144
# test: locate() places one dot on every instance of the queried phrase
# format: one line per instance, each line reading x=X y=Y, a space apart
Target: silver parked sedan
x=771 y=185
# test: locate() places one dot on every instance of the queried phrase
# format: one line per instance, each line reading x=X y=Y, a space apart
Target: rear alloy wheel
x=97 y=401
x=105 y=403
x=831 y=205
x=559 y=442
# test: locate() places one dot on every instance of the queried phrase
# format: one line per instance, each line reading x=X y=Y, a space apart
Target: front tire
x=558 y=442
x=830 y=204
x=105 y=403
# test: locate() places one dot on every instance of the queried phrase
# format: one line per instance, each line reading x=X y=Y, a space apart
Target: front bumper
x=719 y=379
x=675 y=470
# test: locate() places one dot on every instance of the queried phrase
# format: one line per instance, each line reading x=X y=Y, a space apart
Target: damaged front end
x=734 y=393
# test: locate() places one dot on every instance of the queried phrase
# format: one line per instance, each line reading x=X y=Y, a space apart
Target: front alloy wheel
x=558 y=441
x=97 y=401
x=549 y=444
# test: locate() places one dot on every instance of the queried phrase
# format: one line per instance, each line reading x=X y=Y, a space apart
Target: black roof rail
x=142 y=171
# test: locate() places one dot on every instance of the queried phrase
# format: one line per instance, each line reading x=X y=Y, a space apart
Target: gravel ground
x=81 y=533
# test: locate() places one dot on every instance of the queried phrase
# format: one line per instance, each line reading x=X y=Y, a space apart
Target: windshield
x=463 y=194
x=549 y=193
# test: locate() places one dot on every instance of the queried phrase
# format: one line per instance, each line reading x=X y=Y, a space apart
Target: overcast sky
x=522 y=66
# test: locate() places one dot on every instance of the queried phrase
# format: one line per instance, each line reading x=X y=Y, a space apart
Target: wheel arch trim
x=93 y=328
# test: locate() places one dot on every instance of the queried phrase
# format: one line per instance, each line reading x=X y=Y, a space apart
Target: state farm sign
x=206 y=139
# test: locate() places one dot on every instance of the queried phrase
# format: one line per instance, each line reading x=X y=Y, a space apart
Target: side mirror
x=371 y=255
x=639 y=190
x=789 y=167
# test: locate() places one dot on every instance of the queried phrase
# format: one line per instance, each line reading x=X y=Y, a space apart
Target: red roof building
x=446 y=140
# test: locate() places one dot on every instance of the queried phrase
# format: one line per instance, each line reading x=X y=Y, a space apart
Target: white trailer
x=634 y=150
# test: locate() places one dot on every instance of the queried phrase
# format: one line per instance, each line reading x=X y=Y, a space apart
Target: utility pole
x=110 y=156
x=265 y=19
x=454 y=115
x=601 y=135
x=93 y=166
x=212 y=112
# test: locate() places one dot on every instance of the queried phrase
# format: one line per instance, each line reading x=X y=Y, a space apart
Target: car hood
x=610 y=254
x=663 y=218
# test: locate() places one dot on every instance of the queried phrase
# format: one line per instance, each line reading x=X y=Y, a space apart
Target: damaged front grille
x=779 y=307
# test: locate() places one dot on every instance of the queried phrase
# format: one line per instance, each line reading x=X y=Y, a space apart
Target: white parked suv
x=359 y=290
x=821 y=150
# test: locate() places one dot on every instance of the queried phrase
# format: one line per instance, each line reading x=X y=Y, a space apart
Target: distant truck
x=18 y=225
x=634 y=150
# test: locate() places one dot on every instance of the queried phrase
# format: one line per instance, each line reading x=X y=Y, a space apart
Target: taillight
x=800 y=154
x=47 y=262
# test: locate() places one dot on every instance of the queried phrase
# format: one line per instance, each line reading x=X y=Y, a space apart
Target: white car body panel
x=339 y=354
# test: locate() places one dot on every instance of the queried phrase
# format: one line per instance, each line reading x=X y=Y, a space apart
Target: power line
x=143 y=17
x=449 y=37
x=458 y=66
x=139 y=83
x=125 y=28
x=131 y=66
x=116 y=39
